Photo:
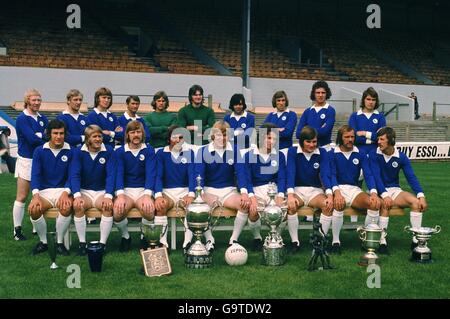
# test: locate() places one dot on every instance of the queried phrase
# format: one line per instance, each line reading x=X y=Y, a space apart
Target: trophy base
x=424 y=258
x=198 y=262
x=369 y=258
x=53 y=266
x=274 y=256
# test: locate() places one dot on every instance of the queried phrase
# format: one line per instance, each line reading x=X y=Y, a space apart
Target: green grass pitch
x=26 y=276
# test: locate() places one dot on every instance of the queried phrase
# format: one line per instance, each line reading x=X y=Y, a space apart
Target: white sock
x=255 y=228
x=162 y=220
x=123 y=228
x=292 y=221
x=354 y=219
x=80 y=226
x=105 y=228
x=62 y=224
x=187 y=234
x=415 y=219
x=146 y=221
x=383 y=223
x=336 y=226
x=309 y=218
x=18 y=211
x=372 y=217
x=209 y=236
x=41 y=228
x=326 y=222
x=239 y=224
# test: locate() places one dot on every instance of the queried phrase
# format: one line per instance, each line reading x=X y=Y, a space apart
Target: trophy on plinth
x=422 y=253
x=155 y=258
x=319 y=242
x=274 y=252
x=51 y=241
x=370 y=236
x=198 y=219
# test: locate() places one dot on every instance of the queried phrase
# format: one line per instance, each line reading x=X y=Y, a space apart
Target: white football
x=236 y=255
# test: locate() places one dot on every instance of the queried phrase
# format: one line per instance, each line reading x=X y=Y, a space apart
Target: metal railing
x=353 y=101
x=435 y=105
x=396 y=107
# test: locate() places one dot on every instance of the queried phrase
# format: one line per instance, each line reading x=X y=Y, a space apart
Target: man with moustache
x=130 y=114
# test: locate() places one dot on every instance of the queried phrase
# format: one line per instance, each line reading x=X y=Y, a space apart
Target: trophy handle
x=437 y=228
x=407 y=228
x=216 y=204
x=178 y=204
x=362 y=233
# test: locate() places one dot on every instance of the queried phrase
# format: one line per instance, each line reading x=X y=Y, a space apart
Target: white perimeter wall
x=55 y=83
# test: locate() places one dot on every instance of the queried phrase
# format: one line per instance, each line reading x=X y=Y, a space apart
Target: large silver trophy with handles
x=198 y=219
x=274 y=252
x=370 y=236
x=422 y=253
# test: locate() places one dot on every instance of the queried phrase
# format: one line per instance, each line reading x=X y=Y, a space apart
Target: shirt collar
x=354 y=150
x=361 y=112
x=66 y=146
x=321 y=107
x=257 y=152
x=235 y=116
x=85 y=148
x=67 y=112
x=131 y=118
x=25 y=111
x=211 y=147
x=300 y=150
x=285 y=111
x=184 y=148
x=127 y=148
x=395 y=154
x=99 y=112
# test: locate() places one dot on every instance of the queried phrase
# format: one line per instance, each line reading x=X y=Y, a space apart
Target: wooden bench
x=226 y=213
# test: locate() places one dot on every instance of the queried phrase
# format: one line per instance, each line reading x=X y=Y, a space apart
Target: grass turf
x=26 y=276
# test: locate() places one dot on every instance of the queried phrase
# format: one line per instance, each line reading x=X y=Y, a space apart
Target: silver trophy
x=370 y=236
x=422 y=253
x=51 y=240
x=198 y=218
x=274 y=252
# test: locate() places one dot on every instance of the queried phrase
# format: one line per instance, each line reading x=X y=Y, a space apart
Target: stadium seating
x=173 y=215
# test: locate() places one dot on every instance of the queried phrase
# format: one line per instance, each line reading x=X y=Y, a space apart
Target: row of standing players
x=317 y=116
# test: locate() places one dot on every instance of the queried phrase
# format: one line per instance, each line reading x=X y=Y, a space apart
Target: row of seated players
x=153 y=183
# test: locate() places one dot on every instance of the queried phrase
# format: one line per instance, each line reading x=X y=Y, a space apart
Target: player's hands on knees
x=147 y=205
x=78 y=204
x=387 y=203
x=374 y=201
x=107 y=204
x=160 y=203
x=245 y=201
x=422 y=204
x=339 y=201
x=293 y=202
x=119 y=204
x=64 y=202
x=279 y=200
x=35 y=205
x=329 y=203
x=188 y=200
x=253 y=208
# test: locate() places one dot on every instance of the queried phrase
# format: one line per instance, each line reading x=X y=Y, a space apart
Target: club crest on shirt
x=274 y=163
x=184 y=160
x=111 y=119
x=394 y=164
x=316 y=165
x=102 y=160
x=230 y=162
x=322 y=116
x=355 y=161
x=82 y=122
x=243 y=125
x=375 y=121
x=142 y=157
x=64 y=158
x=41 y=123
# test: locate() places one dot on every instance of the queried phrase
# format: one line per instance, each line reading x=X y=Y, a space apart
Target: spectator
x=416 y=106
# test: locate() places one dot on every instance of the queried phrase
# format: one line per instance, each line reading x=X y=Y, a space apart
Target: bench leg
x=173 y=233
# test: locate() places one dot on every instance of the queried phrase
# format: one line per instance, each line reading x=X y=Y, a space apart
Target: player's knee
x=161 y=212
x=107 y=213
x=415 y=205
x=65 y=212
x=253 y=217
x=148 y=215
x=35 y=214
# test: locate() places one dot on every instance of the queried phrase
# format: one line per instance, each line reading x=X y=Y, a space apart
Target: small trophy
x=370 y=236
x=95 y=251
x=51 y=240
x=274 y=252
x=422 y=253
x=155 y=259
x=198 y=218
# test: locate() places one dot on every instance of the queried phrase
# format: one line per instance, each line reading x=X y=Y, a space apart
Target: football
x=236 y=255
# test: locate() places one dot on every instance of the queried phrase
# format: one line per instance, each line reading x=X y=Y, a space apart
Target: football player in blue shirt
x=51 y=186
x=102 y=117
x=130 y=114
x=242 y=122
x=347 y=161
x=174 y=180
x=263 y=165
x=31 y=132
x=386 y=163
x=308 y=174
x=75 y=121
x=92 y=174
x=367 y=121
x=215 y=163
x=320 y=116
x=135 y=181
x=283 y=118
